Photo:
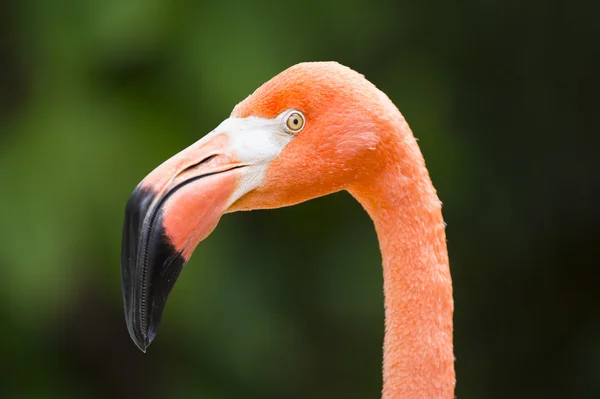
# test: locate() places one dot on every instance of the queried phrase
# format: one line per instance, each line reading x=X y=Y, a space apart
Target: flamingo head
x=312 y=130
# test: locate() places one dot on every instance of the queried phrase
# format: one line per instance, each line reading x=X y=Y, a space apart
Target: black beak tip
x=148 y=278
x=141 y=341
x=141 y=344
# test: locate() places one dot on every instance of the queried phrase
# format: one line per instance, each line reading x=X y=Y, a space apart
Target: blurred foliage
x=288 y=304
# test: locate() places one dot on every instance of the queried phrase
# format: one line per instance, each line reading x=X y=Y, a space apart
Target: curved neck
x=418 y=360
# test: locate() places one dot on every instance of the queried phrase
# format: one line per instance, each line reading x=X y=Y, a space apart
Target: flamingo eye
x=295 y=122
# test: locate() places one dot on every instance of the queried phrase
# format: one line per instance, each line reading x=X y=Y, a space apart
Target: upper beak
x=169 y=213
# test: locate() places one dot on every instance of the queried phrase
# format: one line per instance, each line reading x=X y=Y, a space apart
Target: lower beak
x=169 y=213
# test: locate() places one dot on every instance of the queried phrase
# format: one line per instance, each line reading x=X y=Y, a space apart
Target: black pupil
x=295 y=121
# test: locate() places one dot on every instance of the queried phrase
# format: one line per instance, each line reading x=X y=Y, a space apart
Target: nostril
x=192 y=166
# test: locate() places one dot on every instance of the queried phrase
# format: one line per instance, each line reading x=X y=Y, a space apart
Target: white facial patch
x=256 y=142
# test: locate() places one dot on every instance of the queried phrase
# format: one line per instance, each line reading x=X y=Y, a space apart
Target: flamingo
x=314 y=129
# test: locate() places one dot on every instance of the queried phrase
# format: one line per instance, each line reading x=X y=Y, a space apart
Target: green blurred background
x=288 y=303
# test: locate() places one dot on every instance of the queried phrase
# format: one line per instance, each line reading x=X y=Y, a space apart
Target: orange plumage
x=356 y=139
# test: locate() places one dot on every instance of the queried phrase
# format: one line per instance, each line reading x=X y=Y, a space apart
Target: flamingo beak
x=179 y=204
x=169 y=213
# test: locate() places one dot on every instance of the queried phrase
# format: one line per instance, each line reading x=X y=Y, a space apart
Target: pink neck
x=418 y=360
